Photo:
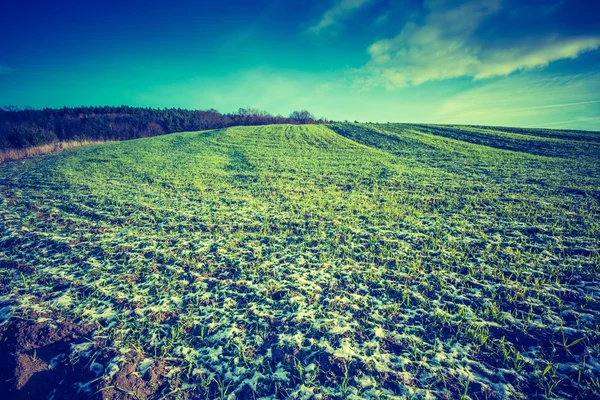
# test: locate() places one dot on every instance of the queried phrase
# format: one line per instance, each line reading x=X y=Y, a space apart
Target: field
x=334 y=262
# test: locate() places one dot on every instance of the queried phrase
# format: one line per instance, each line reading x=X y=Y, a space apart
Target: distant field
x=336 y=262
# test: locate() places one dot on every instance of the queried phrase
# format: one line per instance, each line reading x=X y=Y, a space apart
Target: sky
x=530 y=63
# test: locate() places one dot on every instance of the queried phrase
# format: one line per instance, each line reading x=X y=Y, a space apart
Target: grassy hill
x=348 y=261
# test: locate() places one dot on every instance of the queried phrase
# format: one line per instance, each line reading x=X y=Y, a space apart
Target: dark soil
x=27 y=349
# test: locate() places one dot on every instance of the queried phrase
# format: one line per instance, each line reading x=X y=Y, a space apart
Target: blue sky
x=497 y=62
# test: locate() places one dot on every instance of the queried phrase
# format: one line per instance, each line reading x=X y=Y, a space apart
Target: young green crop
x=349 y=261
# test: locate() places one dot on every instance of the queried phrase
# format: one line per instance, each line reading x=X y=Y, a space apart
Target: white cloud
x=447 y=44
x=340 y=10
x=538 y=53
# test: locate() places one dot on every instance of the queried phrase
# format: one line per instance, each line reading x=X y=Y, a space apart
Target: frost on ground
x=357 y=261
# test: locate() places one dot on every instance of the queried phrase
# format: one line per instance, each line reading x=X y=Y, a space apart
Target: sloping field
x=351 y=261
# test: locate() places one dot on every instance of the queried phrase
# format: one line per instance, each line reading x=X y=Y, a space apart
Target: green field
x=333 y=262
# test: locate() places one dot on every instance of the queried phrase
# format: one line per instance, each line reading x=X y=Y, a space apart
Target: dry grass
x=20 y=154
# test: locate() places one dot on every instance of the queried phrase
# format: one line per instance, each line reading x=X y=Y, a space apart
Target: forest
x=24 y=128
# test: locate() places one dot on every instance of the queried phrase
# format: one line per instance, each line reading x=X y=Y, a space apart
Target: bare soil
x=35 y=364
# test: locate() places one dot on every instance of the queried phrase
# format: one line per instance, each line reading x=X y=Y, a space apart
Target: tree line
x=23 y=128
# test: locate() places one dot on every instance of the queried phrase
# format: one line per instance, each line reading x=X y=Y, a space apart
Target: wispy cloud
x=564 y=123
x=5 y=70
x=340 y=10
x=558 y=105
x=521 y=93
x=537 y=52
x=450 y=42
x=527 y=100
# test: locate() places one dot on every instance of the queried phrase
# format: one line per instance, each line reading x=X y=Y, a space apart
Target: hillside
x=27 y=132
x=349 y=261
